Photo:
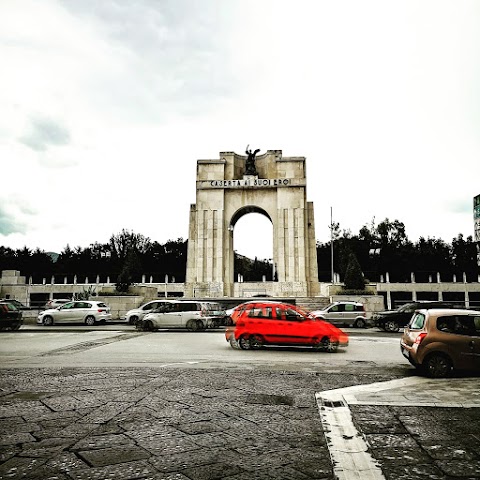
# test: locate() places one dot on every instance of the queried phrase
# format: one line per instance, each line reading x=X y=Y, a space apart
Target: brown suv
x=440 y=340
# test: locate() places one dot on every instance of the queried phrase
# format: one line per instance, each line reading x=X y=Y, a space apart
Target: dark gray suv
x=393 y=320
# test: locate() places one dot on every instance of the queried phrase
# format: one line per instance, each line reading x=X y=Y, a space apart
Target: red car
x=272 y=323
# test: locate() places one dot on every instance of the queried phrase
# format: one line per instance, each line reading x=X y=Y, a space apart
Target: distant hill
x=54 y=256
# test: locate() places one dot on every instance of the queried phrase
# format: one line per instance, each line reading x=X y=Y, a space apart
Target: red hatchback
x=273 y=323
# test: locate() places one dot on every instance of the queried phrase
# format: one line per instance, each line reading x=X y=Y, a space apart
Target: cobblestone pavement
x=193 y=423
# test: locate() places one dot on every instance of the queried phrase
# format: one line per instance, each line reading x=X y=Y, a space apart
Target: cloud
x=9 y=224
x=44 y=133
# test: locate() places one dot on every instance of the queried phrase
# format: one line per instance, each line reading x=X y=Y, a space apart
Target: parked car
x=10 y=316
x=194 y=316
x=438 y=341
x=84 y=311
x=344 y=313
x=137 y=314
x=271 y=323
x=17 y=304
x=56 y=302
x=393 y=320
x=217 y=312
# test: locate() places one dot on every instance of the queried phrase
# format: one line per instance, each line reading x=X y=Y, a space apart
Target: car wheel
x=360 y=323
x=48 y=321
x=244 y=342
x=256 y=342
x=200 y=326
x=391 y=326
x=192 y=325
x=16 y=327
x=233 y=343
x=437 y=365
x=90 y=321
x=133 y=320
x=148 y=326
x=328 y=345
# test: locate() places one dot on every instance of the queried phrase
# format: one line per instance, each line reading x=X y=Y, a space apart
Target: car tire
x=48 y=321
x=233 y=342
x=200 y=326
x=133 y=320
x=192 y=325
x=391 y=326
x=327 y=345
x=244 y=342
x=16 y=327
x=148 y=326
x=360 y=323
x=437 y=365
x=90 y=321
x=256 y=342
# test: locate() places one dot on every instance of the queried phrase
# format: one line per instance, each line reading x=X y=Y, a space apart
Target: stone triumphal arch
x=235 y=185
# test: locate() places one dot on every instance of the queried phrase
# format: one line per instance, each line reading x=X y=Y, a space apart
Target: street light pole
x=331 y=242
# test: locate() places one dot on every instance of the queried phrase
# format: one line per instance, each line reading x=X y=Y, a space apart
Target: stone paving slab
x=191 y=424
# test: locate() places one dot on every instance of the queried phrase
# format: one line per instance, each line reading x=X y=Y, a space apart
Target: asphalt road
x=368 y=350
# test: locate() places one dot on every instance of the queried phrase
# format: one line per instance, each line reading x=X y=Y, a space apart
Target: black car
x=393 y=320
x=10 y=316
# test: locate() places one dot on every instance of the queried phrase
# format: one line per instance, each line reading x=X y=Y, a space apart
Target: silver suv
x=344 y=313
x=194 y=316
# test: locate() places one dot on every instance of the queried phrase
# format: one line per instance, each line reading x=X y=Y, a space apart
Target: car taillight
x=100 y=310
x=420 y=338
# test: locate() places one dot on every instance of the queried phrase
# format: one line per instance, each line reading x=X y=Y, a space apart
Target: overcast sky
x=106 y=106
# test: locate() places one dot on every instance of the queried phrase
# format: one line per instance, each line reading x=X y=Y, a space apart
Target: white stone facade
x=224 y=195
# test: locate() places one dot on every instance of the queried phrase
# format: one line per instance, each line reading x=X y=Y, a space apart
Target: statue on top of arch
x=250 y=162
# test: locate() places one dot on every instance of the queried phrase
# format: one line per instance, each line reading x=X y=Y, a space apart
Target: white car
x=82 y=311
x=194 y=316
x=136 y=314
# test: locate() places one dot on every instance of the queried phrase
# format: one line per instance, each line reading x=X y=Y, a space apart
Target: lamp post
x=331 y=244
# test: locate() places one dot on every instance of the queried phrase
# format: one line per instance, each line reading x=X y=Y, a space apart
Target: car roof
x=346 y=301
x=447 y=311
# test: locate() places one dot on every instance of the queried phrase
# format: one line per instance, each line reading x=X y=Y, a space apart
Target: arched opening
x=253 y=245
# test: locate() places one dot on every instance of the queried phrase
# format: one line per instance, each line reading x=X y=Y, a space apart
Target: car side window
x=67 y=306
x=335 y=308
x=349 y=307
x=292 y=315
x=476 y=324
x=464 y=325
x=149 y=306
x=446 y=324
x=82 y=305
x=458 y=324
x=255 y=312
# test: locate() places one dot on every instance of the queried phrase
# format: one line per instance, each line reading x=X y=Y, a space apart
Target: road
x=369 y=351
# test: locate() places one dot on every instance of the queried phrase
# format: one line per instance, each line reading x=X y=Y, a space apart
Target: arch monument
x=235 y=185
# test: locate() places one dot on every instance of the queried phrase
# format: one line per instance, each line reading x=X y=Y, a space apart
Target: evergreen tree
x=353 y=276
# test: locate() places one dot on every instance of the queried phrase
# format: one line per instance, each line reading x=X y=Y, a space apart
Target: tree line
x=385 y=248
x=377 y=249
